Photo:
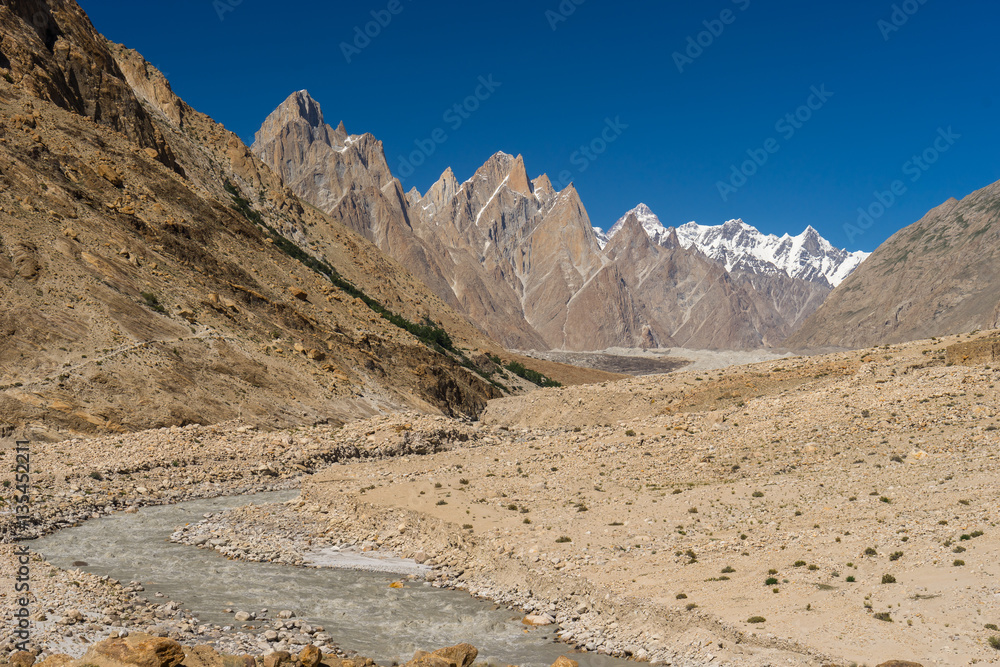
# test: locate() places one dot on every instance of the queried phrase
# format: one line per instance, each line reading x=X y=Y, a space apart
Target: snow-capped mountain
x=742 y=247
x=654 y=228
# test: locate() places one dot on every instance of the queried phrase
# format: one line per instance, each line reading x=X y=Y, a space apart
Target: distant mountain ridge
x=934 y=278
x=741 y=247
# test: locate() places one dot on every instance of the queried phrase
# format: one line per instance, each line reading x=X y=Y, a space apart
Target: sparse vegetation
x=756 y=619
x=152 y=302
x=429 y=333
x=534 y=377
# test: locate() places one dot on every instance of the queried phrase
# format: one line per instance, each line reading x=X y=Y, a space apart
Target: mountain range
x=155 y=271
x=526 y=265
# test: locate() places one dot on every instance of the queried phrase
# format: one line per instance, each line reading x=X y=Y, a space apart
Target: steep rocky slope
x=522 y=260
x=153 y=272
x=938 y=276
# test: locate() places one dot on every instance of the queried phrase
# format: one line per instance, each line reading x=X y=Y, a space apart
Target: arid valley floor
x=845 y=503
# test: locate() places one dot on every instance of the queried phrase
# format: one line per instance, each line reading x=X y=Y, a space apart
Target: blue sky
x=595 y=92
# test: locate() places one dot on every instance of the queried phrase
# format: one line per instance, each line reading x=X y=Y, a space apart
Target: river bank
x=802 y=511
x=79 y=480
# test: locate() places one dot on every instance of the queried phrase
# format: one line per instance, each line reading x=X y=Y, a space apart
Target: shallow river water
x=357 y=608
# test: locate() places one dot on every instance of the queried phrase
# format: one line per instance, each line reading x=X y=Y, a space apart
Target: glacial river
x=357 y=608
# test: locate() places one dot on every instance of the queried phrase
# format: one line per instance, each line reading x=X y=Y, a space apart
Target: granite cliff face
x=936 y=277
x=154 y=272
x=523 y=261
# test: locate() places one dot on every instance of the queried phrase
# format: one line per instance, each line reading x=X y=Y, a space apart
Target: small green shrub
x=883 y=616
x=994 y=642
x=728 y=570
x=630 y=433
x=152 y=302
x=442 y=502
x=850 y=579
x=870 y=551
x=757 y=494
x=895 y=555
x=958 y=562
x=770 y=581
x=682 y=596
x=888 y=579
x=756 y=619
x=562 y=539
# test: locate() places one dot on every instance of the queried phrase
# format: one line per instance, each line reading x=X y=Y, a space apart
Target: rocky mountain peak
x=299 y=109
x=647 y=221
x=518 y=178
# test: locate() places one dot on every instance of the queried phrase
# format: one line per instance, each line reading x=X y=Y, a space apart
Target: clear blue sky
x=892 y=90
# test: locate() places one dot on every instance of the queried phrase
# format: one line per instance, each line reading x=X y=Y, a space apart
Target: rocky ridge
x=149 y=260
x=933 y=278
x=522 y=260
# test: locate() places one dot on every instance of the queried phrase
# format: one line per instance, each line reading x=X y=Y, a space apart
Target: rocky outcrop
x=52 y=52
x=935 y=277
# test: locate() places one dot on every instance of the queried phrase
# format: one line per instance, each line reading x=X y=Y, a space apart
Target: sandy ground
x=850 y=501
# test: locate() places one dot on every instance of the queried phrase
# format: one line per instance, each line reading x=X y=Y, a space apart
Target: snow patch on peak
x=742 y=247
x=739 y=246
x=654 y=228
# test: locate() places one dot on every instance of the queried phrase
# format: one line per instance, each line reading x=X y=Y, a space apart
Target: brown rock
x=110 y=174
x=202 y=656
x=141 y=650
x=56 y=660
x=299 y=294
x=425 y=659
x=21 y=659
x=463 y=655
x=310 y=656
x=277 y=658
x=563 y=661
